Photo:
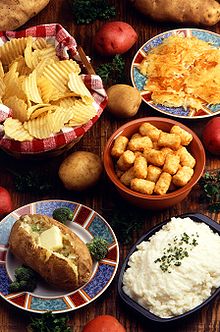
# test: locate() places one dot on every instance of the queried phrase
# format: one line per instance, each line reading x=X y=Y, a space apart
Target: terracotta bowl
x=154 y=202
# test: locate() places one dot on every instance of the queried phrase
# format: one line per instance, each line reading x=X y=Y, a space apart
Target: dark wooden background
x=103 y=195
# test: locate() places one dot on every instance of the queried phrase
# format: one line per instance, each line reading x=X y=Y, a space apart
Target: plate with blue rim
x=139 y=80
x=87 y=224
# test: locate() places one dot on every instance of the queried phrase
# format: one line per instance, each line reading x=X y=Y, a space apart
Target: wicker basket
x=65 y=140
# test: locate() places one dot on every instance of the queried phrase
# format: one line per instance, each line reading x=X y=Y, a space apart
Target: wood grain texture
x=101 y=197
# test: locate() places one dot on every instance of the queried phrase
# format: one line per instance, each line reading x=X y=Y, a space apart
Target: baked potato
x=52 y=250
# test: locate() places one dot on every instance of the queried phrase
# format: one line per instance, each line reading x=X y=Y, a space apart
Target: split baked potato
x=52 y=250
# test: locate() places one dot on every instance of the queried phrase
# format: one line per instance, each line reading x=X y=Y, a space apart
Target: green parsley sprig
x=49 y=323
x=87 y=11
x=112 y=72
x=176 y=251
x=32 y=181
x=25 y=279
x=210 y=185
x=98 y=248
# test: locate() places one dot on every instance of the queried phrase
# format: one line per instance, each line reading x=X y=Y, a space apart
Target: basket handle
x=85 y=61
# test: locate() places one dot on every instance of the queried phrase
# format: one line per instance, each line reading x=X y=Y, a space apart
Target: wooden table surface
x=102 y=196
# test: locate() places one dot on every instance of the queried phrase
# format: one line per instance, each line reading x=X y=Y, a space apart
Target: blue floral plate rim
x=86 y=223
x=177 y=112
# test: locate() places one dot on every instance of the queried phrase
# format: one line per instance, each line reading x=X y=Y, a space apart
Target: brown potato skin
x=80 y=170
x=14 y=13
x=123 y=100
x=205 y=12
x=56 y=271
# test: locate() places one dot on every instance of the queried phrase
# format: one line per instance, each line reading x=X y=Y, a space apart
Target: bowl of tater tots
x=154 y=162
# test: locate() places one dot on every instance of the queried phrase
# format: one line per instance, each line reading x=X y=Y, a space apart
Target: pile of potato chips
x=45 y=94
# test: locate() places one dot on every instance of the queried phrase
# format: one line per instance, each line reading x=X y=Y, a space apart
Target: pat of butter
x=51 y=239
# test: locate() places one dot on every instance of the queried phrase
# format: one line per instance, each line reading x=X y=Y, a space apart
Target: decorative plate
x=139 y=80
x=86 y=224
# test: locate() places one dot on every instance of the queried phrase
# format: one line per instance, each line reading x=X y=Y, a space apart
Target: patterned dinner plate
x=86 y=223
x=139 y=80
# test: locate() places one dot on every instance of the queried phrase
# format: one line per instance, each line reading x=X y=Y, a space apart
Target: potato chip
x=67 y=102
x=73 y=123
x=2 y=73
x=14 y=129
x=41 y=110
x=32 y=109
x=18 y=106
x=12 y=49
x=22 y=68
x=39 y=43
x=41 y=127
x=28 y=53
x=58 y=96
x=77 y=85
x=47 y=90
x=60 y=117
x=31 y=89
x=82 y=113
x=58 y=73
x=42 y=64
x=2 y=87
x=44 y=93
x=12 y=84
x=46 y=53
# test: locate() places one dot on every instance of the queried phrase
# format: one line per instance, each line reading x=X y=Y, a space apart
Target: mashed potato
x=176 y=269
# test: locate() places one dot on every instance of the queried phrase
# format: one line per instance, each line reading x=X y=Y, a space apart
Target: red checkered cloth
x=65 y=46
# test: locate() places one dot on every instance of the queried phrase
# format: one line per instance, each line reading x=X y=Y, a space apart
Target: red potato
x=211 y=136
x=104 y=323
x=115 y=38
x=5 y=202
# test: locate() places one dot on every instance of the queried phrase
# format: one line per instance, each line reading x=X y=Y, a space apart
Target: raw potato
x=211 y=136
x=123 y=100
x=115 y=38
x=80 y=170
x=14 y=13
x=68 y=270
x=205 y=12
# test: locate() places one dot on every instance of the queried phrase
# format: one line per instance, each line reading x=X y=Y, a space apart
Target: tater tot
x=142 y=186
x=138 y=153
x=140 y=167
x=172 y=141
x=156 y=146
x=126 y=160
x=167 y=150
x=119 y=146
x=186 y=137
x=163 y=183
x=155 y=157
x=139 y=143
x=118 y=172
x=186 y=159
x=182 y=177
x=153 y=173
x=147 y=129
x=171 y=164
x=127 y=177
